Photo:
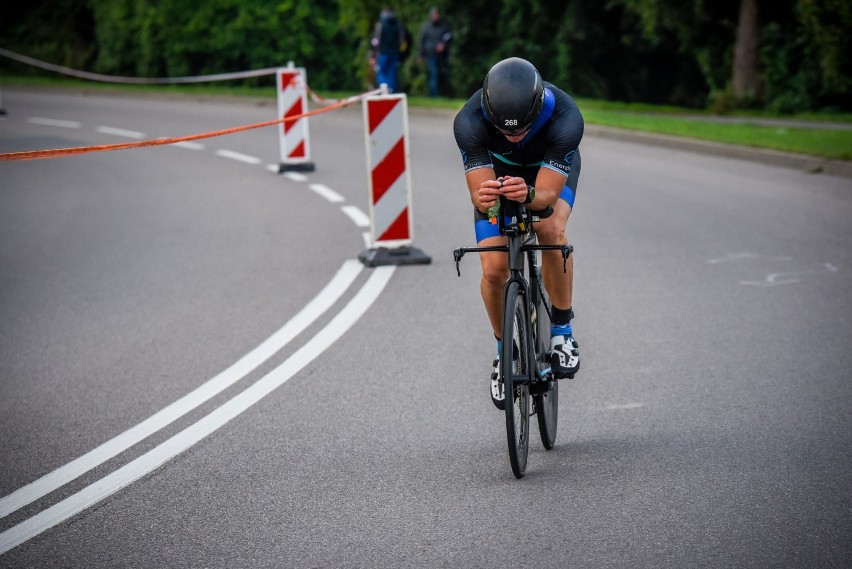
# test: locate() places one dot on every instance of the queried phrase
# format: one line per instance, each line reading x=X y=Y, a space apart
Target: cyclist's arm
x=484 y=189
x=548 y=186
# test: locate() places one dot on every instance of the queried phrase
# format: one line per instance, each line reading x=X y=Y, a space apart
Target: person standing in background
x=386 y=43
x=435 y=36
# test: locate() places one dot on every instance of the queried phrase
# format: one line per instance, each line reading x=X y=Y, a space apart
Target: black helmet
x=512 y=95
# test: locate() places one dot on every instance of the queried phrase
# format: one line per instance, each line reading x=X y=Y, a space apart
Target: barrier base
x=399 y=256
x=296 y=167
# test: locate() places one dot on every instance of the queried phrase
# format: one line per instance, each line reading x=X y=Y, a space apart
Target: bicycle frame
x=528 y=374
x=515 y=222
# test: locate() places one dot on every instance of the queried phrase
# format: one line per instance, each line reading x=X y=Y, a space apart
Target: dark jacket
x=388 y=35
x=433 y=33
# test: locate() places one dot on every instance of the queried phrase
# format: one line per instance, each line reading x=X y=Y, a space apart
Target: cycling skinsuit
x=551 y=143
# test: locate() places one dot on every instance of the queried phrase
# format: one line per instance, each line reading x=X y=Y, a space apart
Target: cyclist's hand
x=488 y=194
x=514 y=188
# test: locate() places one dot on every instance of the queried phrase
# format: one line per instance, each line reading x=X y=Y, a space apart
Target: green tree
x=798 y=56
x=828 y=25
x=59 y=31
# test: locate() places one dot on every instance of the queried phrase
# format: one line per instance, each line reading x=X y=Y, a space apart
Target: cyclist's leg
x=551 y=231
x=558 y=281
x=495 y=270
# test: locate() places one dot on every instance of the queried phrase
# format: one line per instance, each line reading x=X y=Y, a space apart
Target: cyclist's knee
x=495 y=274
x=551 y=233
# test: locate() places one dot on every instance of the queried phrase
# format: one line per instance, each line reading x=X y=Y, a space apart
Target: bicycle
x=526 y=322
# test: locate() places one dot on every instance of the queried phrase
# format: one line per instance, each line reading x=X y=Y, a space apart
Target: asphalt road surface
x=194 y=371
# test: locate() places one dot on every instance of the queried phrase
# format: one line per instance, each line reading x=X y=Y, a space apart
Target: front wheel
x=515 y=368
x=546 y=398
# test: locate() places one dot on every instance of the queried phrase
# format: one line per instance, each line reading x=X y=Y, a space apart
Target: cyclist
x=519 y=138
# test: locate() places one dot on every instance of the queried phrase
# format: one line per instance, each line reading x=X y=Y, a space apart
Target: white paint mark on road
x=368 y=239
x=327 y=193
x=272 y=168
x=356 y=215
x=295 y=176
x=190 y=145
x=53 y=122
x=239 y=157
x=120 y=132
x=248 y=363
x=743 y=256
x=777 y=279
x=180 y=442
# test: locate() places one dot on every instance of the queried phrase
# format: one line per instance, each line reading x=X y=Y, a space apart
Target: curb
x=803 y=162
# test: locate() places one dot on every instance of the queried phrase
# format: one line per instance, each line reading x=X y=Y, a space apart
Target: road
x=710 y=425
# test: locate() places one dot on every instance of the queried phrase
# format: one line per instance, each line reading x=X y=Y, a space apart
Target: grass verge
x=827 y=143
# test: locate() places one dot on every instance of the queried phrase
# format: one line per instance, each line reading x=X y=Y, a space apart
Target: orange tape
x=59 y=152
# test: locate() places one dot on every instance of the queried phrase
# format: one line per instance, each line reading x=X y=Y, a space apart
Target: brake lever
x=457 y=255
x=566 y=252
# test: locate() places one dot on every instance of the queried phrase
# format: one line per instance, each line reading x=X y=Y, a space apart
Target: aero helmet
x=512 y=95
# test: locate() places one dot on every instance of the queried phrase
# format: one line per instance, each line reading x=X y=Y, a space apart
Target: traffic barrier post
x=389 y=183
x=293 y=136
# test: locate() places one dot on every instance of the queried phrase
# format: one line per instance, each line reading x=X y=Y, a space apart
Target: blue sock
x=560 y=330
x=515 y=351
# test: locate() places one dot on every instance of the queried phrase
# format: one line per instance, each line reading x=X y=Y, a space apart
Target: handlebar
x=522 y=220
x=522 y=217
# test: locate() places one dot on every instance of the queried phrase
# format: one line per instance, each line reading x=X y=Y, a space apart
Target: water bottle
x=493 y=212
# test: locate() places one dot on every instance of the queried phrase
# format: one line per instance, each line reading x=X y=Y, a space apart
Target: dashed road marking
x=190 y=145
x=295 y=176
x=121 y=132
x=327 y=193
x=356 y=215
x=238 y=156
x=53 y=122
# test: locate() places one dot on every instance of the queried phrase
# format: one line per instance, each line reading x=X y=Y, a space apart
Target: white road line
x=356 y=215
x=190 y=145
x=245 y=365
x=238 y=156
x=120 y=132
x=272 y=168
x=368 y=239
x=158 y=456
x=296 y=177
x=53 y=122
x=327 y=193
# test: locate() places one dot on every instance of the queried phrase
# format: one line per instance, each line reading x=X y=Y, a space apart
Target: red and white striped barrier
x=389 y=182
x=293 y=135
